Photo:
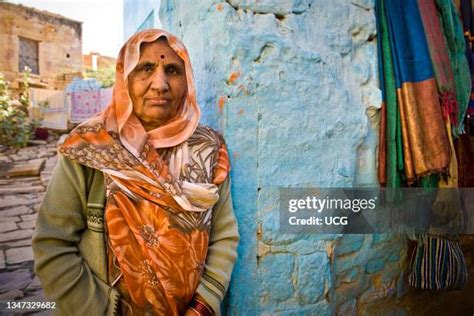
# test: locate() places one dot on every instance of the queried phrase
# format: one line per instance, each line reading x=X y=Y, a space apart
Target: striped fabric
x=438 y=264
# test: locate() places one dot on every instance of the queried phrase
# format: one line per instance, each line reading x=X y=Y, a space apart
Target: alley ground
x=24 y=175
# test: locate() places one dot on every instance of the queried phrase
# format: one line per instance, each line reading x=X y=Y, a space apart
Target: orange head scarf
x=121 y=117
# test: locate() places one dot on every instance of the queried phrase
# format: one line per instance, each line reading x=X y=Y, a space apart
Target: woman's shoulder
x=206 y=135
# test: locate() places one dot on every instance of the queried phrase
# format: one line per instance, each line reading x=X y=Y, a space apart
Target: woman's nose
x=160 y=81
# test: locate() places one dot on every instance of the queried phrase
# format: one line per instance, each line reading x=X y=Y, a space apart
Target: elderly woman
x=138 y=216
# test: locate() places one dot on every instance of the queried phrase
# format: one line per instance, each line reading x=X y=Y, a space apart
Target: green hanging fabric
x=453 y=32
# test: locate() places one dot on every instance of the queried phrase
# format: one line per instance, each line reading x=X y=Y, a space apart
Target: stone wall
x=293 y=87
x=59 y=48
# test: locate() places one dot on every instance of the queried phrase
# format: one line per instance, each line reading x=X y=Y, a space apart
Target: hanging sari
x=419 y=90
x=415 y=108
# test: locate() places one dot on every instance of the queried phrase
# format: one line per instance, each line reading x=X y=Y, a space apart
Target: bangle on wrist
x=200 y=307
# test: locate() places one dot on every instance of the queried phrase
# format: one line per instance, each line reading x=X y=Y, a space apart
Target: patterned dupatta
x=158 y=207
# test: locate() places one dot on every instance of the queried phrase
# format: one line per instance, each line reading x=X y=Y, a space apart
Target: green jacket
x=70 y=251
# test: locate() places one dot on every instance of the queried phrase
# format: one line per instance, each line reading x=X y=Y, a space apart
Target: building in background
x=47 y=43
x=95 y=61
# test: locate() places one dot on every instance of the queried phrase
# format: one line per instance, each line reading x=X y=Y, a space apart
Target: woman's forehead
x=158 y=50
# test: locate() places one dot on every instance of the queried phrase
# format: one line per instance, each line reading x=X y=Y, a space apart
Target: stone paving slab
x=34 y=285
x=29 y=217
x=3 y=263
x=11 y=200
x=19 y=255
x=20 y=199
x=10 y=219
x=21 y=189
x=17 y=243
x=8 y=226
x=16 y=235
x=27 y=225
x=16 y=211
x=27 y=169
x=15 y=280
x=11 y=295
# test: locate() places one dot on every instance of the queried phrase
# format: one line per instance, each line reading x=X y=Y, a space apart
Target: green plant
x=15 y=125
x=106 y=76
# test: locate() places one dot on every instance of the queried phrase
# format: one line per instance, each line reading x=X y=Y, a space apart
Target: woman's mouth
x=158 y=101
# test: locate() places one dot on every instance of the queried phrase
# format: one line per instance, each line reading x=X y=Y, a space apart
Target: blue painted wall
x=136 y=12
x=292 y=85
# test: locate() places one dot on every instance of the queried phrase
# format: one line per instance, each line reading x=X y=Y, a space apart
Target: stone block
x=15 y=211
x=277 y=276
x=3 y=263
x=16 y=235
x=7 y=226
x=34 y=285
x=15 y=280
x=16 y=243
x=21 y=189
x=348 y=308
x=29 y=217
x=375 y=265
x=18 y=255
x=33 y=168
x=313 y=272
x=391 y=272
x=349 y=244
x=11 y=295
x=381 y=238
x=308 y=245
x=394 y=257
x=38 y=142
x=323 y=308
x=17 y=200
x=10 y=219
x=348 y=291
x=27 y=225
x=347 y=276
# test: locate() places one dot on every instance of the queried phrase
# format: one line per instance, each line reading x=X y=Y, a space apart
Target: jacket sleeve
x=65 y=276
x=222 y=251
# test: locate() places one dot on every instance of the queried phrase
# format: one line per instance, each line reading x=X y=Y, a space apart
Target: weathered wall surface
x=292 y=86
x=59 y=51
x=136 y=12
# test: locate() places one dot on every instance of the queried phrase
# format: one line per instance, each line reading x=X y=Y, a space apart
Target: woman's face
x=157 y=85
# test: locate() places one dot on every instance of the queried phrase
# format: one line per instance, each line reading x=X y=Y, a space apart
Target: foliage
x=15 y=125
x=106 y=76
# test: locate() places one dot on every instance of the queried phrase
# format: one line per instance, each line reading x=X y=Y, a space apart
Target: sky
x=102 y=27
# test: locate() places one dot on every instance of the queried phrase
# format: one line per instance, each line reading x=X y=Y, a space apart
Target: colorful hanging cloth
x=453 y=33
x=414 y=111
x=420 y=86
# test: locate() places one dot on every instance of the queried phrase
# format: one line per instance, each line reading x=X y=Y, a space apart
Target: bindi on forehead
x=162 y=56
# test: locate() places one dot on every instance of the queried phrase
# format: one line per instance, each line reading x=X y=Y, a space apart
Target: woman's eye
x=172 y=70
x=148 y=68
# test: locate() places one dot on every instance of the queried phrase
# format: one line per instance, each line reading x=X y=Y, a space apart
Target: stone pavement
x=24 y=175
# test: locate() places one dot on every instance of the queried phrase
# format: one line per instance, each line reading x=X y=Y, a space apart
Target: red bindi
x=162 y=56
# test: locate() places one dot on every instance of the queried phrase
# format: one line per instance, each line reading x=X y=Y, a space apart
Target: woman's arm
x=222 y=252
x=66 y=278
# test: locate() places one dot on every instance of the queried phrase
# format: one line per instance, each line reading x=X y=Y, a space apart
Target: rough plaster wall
x=135 y=13
x=292 y=86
